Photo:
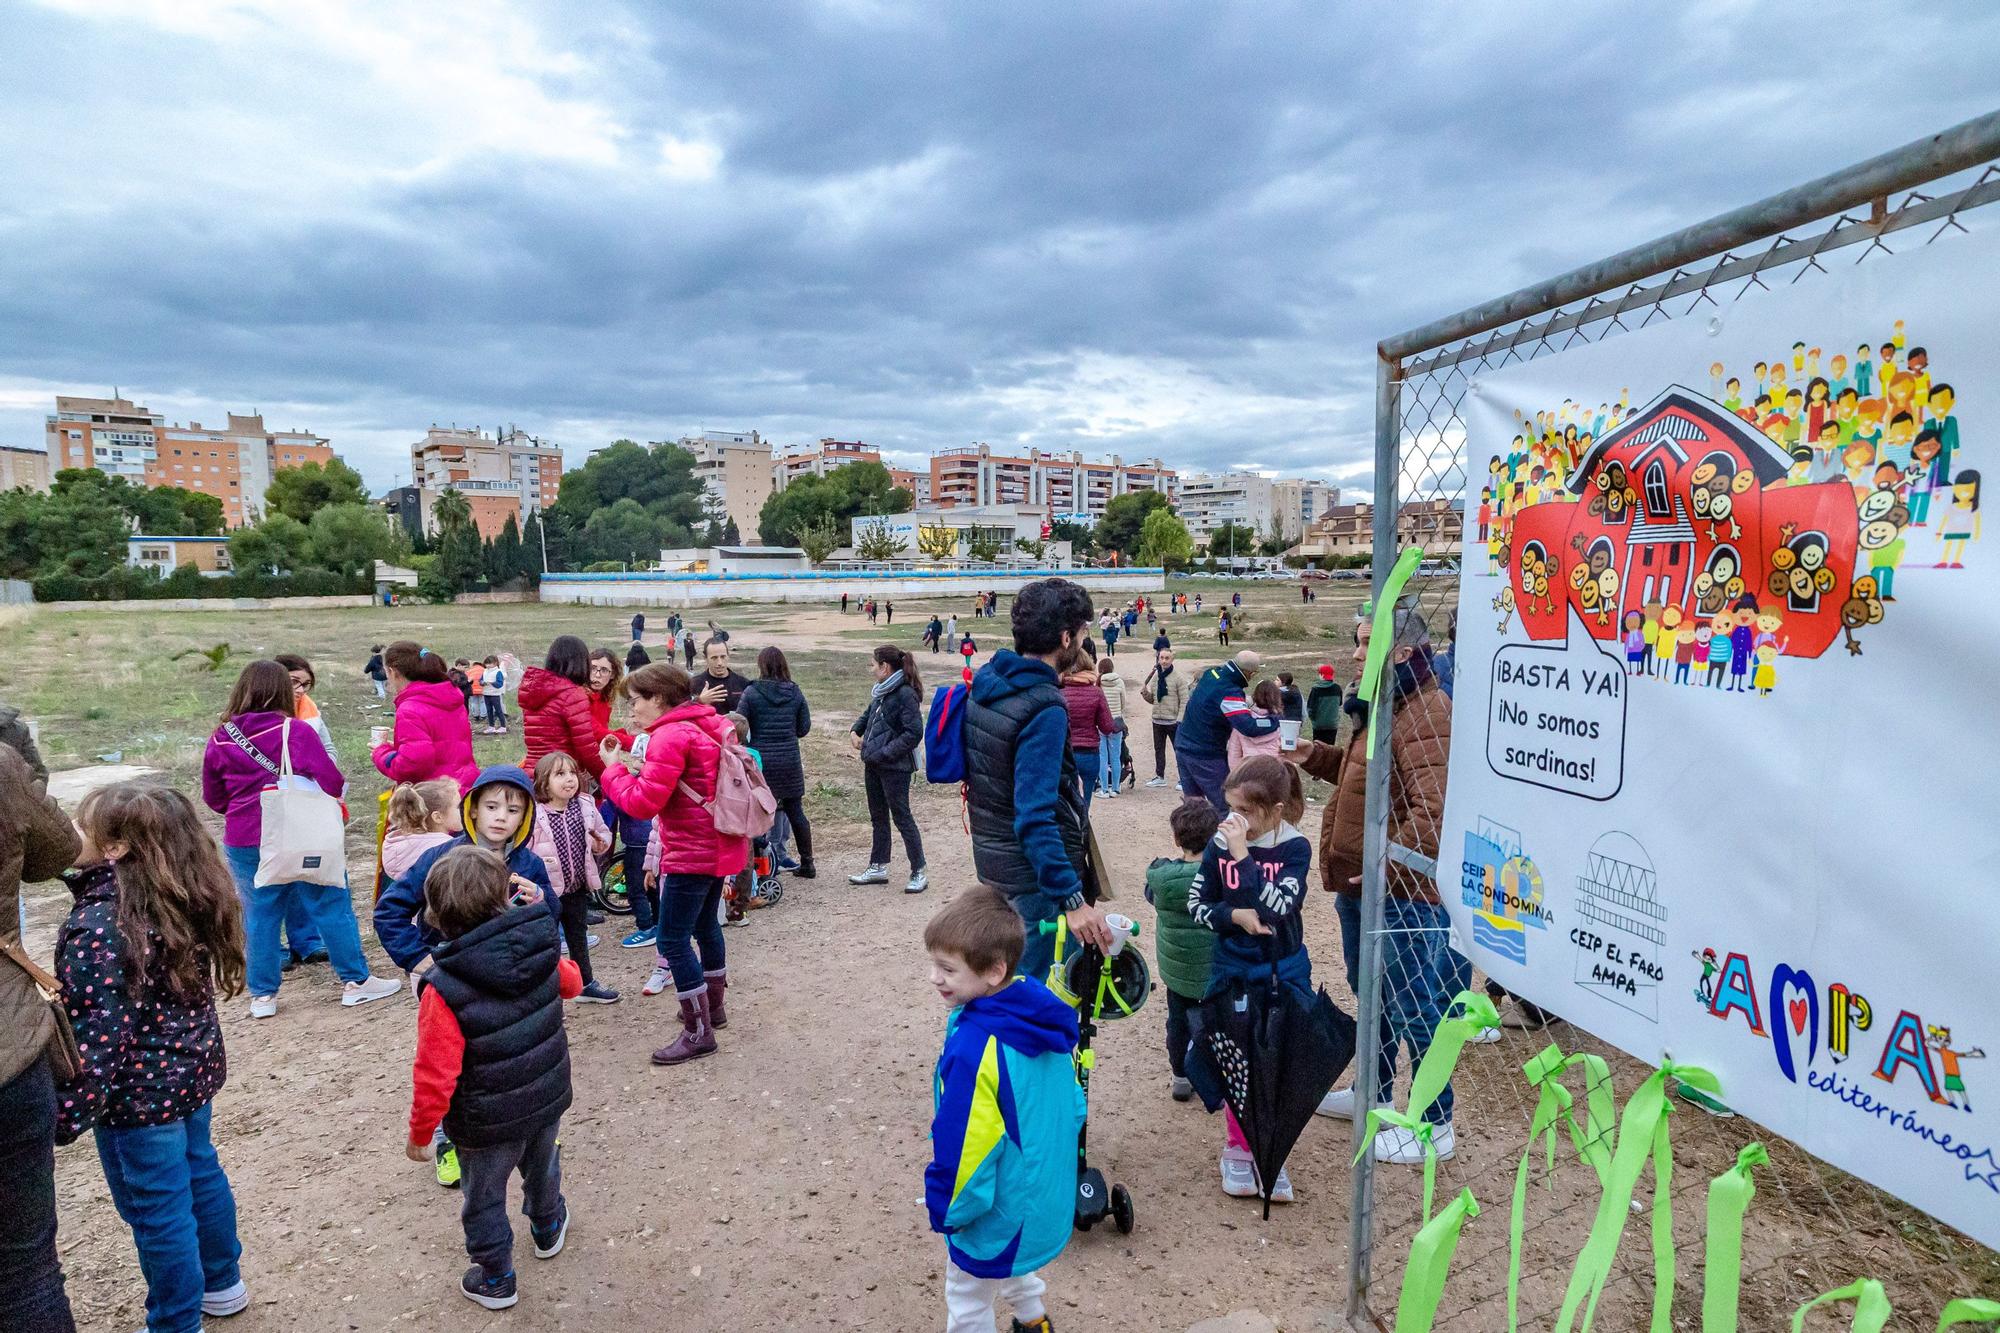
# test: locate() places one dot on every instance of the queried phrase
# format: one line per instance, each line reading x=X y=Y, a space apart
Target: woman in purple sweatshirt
x=244 y=758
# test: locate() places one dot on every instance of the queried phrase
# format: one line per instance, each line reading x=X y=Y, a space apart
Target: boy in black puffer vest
x=492 y=1061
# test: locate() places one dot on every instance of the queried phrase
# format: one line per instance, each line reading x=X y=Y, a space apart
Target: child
x=422 y=815
x=1185 y=950
x=569 y=837
x=1111 y=749
x=1266 y=701
x=303 y=708
x=492 y=1060
x=475 y=701
x=155 y=932
x=1248 y=891
x=492 y=683
x=742 y=893
x=1001 y=1183
x=377 y=674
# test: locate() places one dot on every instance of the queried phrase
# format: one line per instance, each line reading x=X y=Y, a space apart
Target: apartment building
x=1250 y=500
x=736 y=469
x=1063 y=485
x=1347 y=530
x=514 y=467
x=24 y=469
x=918 y=484
x=233 y=462
x=491 y=503
x=816 y=460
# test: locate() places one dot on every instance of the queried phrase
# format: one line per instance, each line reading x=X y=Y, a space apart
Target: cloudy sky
x=1122 y=226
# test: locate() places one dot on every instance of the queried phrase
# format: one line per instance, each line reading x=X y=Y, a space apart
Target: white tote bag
x=305 y=833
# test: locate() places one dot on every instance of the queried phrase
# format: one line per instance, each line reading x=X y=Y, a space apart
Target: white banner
x=1723 y=773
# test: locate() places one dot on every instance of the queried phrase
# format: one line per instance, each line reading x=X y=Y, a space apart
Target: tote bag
x=305 y=833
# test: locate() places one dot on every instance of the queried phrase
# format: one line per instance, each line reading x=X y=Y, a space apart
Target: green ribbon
x=1641 y=1134
x=1871 y=1306
x=1430 y=1260
x=1722 y=1261
x=1384 y=631
x=1969 y=1310
x=1554 y=1107
x=1433 y=1072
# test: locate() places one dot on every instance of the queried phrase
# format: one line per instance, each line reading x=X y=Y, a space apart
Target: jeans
x=969 y=1301
x=172 y=1192
x=573 y=915
x=1202 y=778
x=496 y=710
x=483 y=1176
x=32 y=1299
x=264 y=909
x=635 y=834
x=1179 y=1031
x=1163 y=737
x=1108 y=750
x=690 y=935
x=793 y=810
x=302 y=937
x=889 y=799
x=1420 y=975
x=381 y=688
x=1087 y=762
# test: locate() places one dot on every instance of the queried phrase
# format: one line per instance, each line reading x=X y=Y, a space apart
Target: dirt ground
x=778 y=1184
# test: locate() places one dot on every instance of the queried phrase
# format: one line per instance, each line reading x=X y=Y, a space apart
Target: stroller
x=1086 y=981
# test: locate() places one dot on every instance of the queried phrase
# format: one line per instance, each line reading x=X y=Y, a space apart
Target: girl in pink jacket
x=1265 y=701
x=569 y=836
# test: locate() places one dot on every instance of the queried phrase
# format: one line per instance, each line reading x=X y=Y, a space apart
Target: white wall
x=643 y=589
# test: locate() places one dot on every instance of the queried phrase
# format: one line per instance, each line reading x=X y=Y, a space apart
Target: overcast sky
x=1133 y=228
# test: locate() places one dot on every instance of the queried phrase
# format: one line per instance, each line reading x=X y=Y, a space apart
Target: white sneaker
x=658 y=982
x=1239 y=1177
x=590 y=942
x=1156 y=782
x=919 y=881
x=1340 y=1104
x=1281 y=1192
x=872 y=875
x=1486 y=1036
x=375 y=988
x=226 y=1302
x=1400 y=1147
x=263 y=1006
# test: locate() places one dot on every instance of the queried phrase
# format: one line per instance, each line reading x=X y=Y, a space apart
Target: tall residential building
x=1249 y=500
x=918 y=484
x=1065 y=486
x=234 y=463
x=24 y=469
x=816 y=460
x=735 y=468
x=515 y=473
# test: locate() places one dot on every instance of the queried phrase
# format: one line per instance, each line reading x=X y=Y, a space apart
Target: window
x=1658 y=503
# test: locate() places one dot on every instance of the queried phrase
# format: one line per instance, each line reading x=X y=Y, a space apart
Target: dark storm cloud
x=1124 y=228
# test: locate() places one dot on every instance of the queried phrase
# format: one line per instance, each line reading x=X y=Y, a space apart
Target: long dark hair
x=771 y=664
x=264 y=687
x=569 y=657
x=172 y=886
x=889 y=655
x=413 y=662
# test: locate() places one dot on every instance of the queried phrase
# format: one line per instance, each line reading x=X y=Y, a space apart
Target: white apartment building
x=736 y=470
x=517 y=464
x=1253 y=501
x=1064 y=486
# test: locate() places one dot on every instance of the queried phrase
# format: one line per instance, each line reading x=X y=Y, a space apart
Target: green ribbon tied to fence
x=1642 y=1134
x=1554 y=1109
x=1871 y=1306
x=1729 y=1197
x=1430 y=1261
x=1433 y=1072
x=1382 y=633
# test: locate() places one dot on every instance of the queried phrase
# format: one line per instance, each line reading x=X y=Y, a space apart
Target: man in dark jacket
x=1028 y=832
x=719 y=687
x=1218 y=704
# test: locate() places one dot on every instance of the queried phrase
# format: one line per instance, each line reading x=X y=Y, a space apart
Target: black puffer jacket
x=499 y=979
x=891 y=728
x=146 y=1061
x=778 y=716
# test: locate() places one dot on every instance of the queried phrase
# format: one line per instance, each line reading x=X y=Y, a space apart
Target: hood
x=1110 y=679
x=1009 y=674
x=541 y=687
x=786 y=690
x=513 y=775
x=509 y=955
x=257 y=724
x=1025 y=1015
x=439 y=694
x=705 y=719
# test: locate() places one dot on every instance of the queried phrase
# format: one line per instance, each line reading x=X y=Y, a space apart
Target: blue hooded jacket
x=1215 y=706
x=1001 y=1184
x=399 y=911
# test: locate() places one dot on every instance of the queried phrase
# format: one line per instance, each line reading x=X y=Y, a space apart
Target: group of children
x=484 y=685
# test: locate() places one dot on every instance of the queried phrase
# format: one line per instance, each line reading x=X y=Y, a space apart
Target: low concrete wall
x=648 y=589
x=214 y=603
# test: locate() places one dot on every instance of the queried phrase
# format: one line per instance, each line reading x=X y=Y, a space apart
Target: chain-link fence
x=1816 y=1227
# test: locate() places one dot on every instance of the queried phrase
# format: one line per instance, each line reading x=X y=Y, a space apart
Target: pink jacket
x=543 y=844
x=684 y=746
x=432 y=739
x=400 y=850
x=1242 y=747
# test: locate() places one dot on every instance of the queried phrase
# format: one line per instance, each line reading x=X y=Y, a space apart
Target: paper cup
x=1288 y=734
x=378 y=736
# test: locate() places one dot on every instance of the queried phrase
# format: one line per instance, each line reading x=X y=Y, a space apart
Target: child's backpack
x=944 y=734
x=743 y=806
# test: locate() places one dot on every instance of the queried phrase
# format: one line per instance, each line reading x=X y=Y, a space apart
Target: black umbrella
x=1270 y=1051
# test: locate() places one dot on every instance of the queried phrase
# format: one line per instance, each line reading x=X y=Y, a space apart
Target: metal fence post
x=1375 y=838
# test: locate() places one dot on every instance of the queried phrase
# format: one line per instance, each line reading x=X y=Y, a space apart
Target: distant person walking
x=1166 y=690
x=377 y=675
x=638 y=626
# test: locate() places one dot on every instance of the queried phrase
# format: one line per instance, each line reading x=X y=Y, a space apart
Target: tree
x=1082 y=541
x=819 y=539
x=531 y=549
x=851 y=491
x=939 y=543
x=1230 y=538
x=1164 y=540
x=347 y=538
x=1275 y=542
x=277 y=545
x=459 y=557
x=731 y=534
x=659 y=482
x=302 y=491
x=984 y=550
x=451 y=510
x=505 y=564
x=877 y=542
x=1124 y=517
x=627 y=532
x=1033 y=547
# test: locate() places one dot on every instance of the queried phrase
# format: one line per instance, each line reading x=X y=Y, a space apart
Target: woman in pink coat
x=432 y=736
x=674 y=784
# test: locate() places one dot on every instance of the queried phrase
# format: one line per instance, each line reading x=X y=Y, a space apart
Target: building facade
x=24 y=469
x=234 y=462
x=816 y=460
x=514 y=473
x=164 y=555
x=1349 y=530
x=1060 y=485
x=1249 y=500
x=932 y=534
x=736 y=471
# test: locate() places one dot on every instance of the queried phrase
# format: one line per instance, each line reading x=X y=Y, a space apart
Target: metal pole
x=1375 y=837
x=1955 y=149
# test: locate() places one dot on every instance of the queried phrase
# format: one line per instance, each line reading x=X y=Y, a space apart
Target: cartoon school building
x=1676 y=503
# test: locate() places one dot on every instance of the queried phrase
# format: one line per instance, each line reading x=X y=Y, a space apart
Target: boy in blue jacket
x=1001 y=1184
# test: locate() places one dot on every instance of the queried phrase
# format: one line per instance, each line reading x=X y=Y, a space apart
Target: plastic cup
x=1288 y=734
x=378 y=736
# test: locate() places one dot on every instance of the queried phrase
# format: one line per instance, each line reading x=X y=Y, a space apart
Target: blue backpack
x=944 y=734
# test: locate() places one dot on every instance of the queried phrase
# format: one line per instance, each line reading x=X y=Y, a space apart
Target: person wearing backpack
x=886 y=734
x=677 y=784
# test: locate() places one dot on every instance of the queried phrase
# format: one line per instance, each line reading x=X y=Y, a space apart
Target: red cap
x=1325 y=671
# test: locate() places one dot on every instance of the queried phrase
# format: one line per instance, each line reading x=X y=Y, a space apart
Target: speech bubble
x=1556 y=715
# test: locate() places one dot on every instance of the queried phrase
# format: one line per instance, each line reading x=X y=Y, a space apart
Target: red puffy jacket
x=556 y=715
x=684 y=746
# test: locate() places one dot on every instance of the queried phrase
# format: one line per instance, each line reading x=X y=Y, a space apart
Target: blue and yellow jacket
x=1001 y=1185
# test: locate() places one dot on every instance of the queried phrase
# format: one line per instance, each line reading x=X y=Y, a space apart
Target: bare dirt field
x=777 y=1185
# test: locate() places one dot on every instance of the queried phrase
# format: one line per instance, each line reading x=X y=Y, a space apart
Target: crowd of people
x=487 y=878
